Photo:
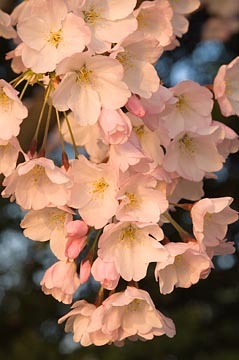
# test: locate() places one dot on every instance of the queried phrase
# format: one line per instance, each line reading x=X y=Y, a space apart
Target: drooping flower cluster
x=146 y=148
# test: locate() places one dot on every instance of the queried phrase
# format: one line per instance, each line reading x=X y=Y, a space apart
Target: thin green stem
x=71 y=135
x=59 y=130
x=46 y=96
x=175 y=224
x=24 y=89
x=48 y=120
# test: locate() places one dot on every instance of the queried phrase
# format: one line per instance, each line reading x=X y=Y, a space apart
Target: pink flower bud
x=76 y=234
x=135 y=106
x=85 y=270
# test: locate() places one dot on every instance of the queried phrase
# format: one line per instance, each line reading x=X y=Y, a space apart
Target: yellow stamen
x=125 y=58
x=92 y=16
x=84 y=75
x=181 y=104
x=139 y=130
x=55 y=38
x=4 y=101
x=133 y=201
x=128 y=234
x=99 y=186
x=37 y=173
x=187 y=145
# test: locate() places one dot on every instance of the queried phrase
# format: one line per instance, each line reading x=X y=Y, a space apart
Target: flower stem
x=71 y=135
x=46 y=96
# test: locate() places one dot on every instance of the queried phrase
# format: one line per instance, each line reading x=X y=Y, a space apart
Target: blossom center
x=84 y=75
x=228 y=90
x=55 y=38
x=92 y=16
x=125 y=58
x=99 y=186
x=57 y=218
x=142 y=21
x=37 y=173
x=139 y=130
x=128 y=234
x=133 y=201
x=134 y=305
x=187 y=145
x=178 y=259
x=4 y=101
x=181 y=104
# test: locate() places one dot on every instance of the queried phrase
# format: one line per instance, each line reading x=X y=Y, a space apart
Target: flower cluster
x=146 y=147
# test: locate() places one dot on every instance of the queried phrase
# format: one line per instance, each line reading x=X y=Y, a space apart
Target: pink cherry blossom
x=61 y=281
x=89 y=83
x=229 y=141
x=51 y=35
x=180 y=9
x=115 y=126
x=38 y=183
x=184 y=267
x=150 y=141
x=226 y=88
x=78 y=320
x=128 y=314
x=155 y=18
x=192 y=111
x=48 y=224
x=140 y=201
x=105 y=273
x=94 y=191
x=137 y=53
x=9 y=151
x=109 y=21
x=128 y=154
x=192 y=154
x=210 y=219
x=6 y=29
x=131 y=247
x=12 y=111
x=158 y=101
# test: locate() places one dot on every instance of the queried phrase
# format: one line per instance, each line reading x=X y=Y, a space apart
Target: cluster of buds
x=146 y=147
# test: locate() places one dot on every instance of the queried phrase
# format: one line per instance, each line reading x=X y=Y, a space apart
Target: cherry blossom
x=210 y=219
x=95 y=188
x=12 y=111
x=115 y=126
x=38 y=183
x=226 y=88
x=184 y=267
x=61 y=281
x=89 y=83
x=140 y=201
x=6 y=29
x=192 y=154
x=105 y=273
x=50 y=35
x=126 y=308
x=137 y=53
x=48 y=224
x=9 y=151
x=131 y=247
x=155 y=18
x=109 y=21
x=192 y=110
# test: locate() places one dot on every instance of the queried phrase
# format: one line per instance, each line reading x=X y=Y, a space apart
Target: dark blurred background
x=206 y=315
